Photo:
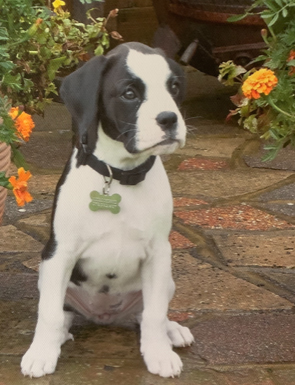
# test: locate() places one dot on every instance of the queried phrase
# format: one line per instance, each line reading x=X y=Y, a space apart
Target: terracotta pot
x=5 y=153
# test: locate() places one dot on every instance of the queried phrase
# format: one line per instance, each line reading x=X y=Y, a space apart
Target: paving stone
x=13 y=212
x=56 y=118
x=217 y=147
x=202 y=127
x=37 y=225
x=285 y=159
x=18 y=286
x=284 y=376
x=283 y=277
x=283 y=193
x=201 y=287
x=280 y=208
x=265 y=249
x=43 y=184
x=178 y=241
x=243 y=339
x=48 y=150
x=237 y=217
x=248 y=377
x=16 y=262
x=93 y=371
x=15 y=241
x=202 y=164
x=182 y=202
x=223 y=184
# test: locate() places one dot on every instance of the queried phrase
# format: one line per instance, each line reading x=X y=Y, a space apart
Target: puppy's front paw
x=179 y=335
x=39 y=361
x=162 y=361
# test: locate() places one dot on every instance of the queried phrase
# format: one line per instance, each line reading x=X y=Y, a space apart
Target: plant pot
x=5 y=154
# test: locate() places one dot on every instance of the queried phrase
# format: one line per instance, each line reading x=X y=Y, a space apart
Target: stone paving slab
x=18 y=286
x=15 y=241
x=285 y=159
x=58 y=146
x=223 y=184
x=283 y=277
x=236 y=217
x=274 y=249
x=43 y=184
x=283 y=193
x=13 y=212
x=103 y=372
x=283 y=376
x=202 y=287
x=286 y=209
x=244 y=339
x=219 y=147
x=56 y=118
x=202 y=164
x=248 y=377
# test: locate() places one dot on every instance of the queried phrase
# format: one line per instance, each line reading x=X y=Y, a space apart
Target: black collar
x=130 y=177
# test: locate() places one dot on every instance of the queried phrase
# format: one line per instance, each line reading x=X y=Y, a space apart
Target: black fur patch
x=78 y=275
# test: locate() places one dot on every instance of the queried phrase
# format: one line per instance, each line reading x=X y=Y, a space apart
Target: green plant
x=270 y=114
x=38 y=43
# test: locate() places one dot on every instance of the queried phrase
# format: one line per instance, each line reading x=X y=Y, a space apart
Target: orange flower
x=291 y=57
x=23 y=123
x=20 y=185
x=261 y=82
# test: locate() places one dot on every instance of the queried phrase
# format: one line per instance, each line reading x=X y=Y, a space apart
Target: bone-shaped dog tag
x=105 y=202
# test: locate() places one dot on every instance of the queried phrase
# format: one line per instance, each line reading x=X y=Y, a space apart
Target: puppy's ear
x=80 y=93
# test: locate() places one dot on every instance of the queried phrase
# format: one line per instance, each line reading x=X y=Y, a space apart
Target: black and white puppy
x=109 y=255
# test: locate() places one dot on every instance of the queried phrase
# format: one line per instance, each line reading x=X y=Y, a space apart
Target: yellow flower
x=58 y=3
x=23 y=123
x=20 y=186
x=261 y=82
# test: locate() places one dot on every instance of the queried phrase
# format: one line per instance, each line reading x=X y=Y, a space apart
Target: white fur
x=132 y=244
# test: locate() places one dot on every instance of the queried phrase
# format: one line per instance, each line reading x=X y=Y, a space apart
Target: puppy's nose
x=167 y=120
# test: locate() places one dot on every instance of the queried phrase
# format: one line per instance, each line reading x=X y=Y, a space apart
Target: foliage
x=37 y=44
x=270 y=115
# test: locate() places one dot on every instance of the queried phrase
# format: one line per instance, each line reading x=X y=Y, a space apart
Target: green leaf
x=3 y=34
x=4 y=180
x=98 y=50
x=18 y=158
x=273 y=20
x=54 y=65
x=235 y=18
x=285 y=12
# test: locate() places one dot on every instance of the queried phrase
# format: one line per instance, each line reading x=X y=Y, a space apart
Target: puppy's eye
x=129 y=94
x=174 y=89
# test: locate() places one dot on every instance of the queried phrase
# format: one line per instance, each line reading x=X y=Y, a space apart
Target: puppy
x=108 y=255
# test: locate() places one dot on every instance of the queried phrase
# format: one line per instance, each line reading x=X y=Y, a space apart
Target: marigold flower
x=23 y=123
x=291 y=57
x=20 y=186
x=58 y=3
x=260 y=82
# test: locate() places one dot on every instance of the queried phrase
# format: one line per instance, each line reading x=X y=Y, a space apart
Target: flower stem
x=271 y=102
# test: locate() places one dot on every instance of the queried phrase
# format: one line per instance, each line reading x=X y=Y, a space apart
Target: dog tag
x=105 y=202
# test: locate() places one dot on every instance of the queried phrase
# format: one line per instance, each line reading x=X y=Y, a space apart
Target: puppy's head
x=134 y=92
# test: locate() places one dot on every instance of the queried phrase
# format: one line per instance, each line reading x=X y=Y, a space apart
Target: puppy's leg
x=158 y=289
x=53 y=323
